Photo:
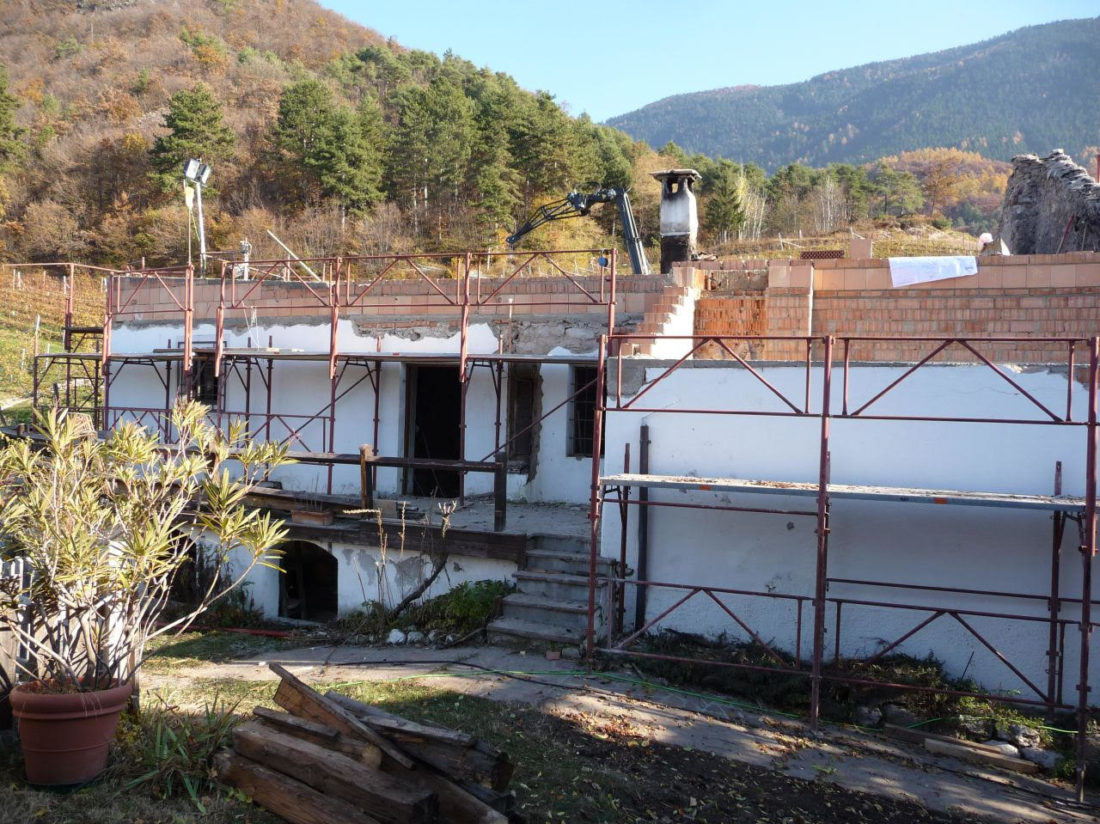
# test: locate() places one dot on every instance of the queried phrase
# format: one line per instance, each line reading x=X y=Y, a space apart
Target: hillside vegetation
x=1032 y=90
x=315 y=128
x=342 y=142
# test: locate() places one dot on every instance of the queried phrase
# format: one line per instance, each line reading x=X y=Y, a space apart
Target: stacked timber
x=330 y=759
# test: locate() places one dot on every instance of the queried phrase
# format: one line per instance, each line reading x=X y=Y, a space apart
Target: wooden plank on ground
x=379 y=719
x=386 y=798
x=320 y=734
x=455 y=754
x=974 y=756
x=284 y=796
x=919 y=737
x=298 y=698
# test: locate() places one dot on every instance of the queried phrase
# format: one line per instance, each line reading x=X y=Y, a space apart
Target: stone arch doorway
x=308 y=585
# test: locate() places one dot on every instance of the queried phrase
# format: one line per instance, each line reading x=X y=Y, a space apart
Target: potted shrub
x=102 y=528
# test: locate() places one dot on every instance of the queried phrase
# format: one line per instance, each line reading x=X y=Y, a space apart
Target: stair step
x=508 y=630
x=558 y=543
x=554 y=585
x=574 y=563
x=547 y=612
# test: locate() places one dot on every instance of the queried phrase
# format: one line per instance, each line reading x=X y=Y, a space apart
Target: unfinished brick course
x=1037 y=296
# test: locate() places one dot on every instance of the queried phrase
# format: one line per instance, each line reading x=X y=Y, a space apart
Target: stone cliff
x=1051 y=205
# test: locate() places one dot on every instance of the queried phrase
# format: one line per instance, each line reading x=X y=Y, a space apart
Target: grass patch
x=192 y=649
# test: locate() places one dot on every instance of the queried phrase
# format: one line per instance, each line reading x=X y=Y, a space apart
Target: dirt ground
x=645 y=781
x=639 y=753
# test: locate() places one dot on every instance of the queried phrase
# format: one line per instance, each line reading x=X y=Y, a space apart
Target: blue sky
x=612 y=56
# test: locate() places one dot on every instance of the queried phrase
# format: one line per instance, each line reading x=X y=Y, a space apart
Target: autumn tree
x=197 y=130
x=49 y=232
x=939 y=181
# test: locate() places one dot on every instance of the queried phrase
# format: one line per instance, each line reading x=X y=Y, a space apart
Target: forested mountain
x=343 y=142
x=314 y=127
x=1031 y=90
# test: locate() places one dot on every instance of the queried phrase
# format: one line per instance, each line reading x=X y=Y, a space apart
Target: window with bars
x=582 y=411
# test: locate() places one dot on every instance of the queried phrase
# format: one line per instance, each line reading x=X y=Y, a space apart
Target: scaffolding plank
x=1059 y=503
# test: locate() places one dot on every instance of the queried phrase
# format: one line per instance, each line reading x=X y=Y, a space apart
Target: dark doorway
x=435 y=402
x=204 y=383
x=307 y=587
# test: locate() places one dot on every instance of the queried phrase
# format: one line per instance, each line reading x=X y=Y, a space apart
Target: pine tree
x=197 y=130
x=898 y=192
x=428 y=156
x=493 y=182
x=324 y=150
x=544 y=149
x=723 y=213
x=11 y=136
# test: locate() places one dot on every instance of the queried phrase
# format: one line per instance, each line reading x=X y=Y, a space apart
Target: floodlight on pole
x=198 y=173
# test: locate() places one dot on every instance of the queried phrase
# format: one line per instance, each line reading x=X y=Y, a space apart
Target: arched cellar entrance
x=308 y=585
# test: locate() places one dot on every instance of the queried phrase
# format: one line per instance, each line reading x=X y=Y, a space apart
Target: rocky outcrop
x=1051 y=205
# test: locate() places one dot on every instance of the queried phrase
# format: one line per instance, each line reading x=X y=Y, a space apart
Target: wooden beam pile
x=330 y=759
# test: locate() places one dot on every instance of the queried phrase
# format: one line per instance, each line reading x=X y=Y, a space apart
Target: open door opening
x=434 y=404
x=308 y=585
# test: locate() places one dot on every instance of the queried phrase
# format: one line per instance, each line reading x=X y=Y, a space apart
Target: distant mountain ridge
x=1031 y=90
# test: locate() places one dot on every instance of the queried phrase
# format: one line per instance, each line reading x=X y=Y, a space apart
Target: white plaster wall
x=363 y=576
x=301 y=389
x=966 y=547
x=559 y=477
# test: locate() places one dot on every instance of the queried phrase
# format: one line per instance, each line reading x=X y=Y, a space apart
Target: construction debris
x=969 y=751
x=330 y=759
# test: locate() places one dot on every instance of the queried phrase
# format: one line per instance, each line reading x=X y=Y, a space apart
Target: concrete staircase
x=672 y=314
x=549 y=608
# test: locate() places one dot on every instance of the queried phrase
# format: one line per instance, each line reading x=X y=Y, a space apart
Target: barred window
x=582 y=411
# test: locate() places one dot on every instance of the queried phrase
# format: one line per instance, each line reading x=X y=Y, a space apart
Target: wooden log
x=458 y=805
x=319 y=734
x=975 y=756
x=298 y=698
x=290 y=799
x=387 y=798
x=502 y=802
x=455 y=754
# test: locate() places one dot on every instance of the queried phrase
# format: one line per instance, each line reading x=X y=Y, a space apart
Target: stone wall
x=1051 y=205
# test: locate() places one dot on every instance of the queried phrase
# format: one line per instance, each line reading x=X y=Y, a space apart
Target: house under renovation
x=829 y=460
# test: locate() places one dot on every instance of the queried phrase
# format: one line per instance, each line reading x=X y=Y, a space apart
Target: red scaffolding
x=816 y=403
x=450 y=287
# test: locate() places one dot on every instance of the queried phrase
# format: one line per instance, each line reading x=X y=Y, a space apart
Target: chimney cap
x=677 y=174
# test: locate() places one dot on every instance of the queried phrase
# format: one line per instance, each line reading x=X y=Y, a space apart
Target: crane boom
x=576 y=204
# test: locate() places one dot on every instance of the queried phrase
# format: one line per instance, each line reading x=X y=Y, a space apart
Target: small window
x=582 y=411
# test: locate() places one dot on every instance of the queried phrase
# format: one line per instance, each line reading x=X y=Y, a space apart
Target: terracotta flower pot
x=65 y=736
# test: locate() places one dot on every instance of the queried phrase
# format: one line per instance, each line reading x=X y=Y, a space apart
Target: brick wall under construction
x=1027 y=295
